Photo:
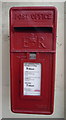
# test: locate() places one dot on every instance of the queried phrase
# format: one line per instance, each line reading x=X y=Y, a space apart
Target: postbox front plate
x=32 y=59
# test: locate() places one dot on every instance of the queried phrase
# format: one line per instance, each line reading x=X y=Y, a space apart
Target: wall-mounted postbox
x=32 y=59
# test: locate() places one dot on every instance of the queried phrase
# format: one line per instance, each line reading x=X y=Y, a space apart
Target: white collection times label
x=32 y=79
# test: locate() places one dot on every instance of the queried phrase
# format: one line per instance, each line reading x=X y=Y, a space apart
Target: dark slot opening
x=28 y=29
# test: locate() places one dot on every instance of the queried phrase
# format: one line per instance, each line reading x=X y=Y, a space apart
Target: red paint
x=32 y=29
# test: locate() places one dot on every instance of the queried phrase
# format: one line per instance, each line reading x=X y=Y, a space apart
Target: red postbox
x=32 y=59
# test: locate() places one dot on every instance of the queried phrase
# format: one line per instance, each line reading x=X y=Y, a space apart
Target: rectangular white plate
x=32 y=79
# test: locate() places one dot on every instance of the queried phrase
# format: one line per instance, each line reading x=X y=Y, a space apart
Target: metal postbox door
x=32 y=59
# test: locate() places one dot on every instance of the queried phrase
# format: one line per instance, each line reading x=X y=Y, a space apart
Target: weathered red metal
x=32 y=33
